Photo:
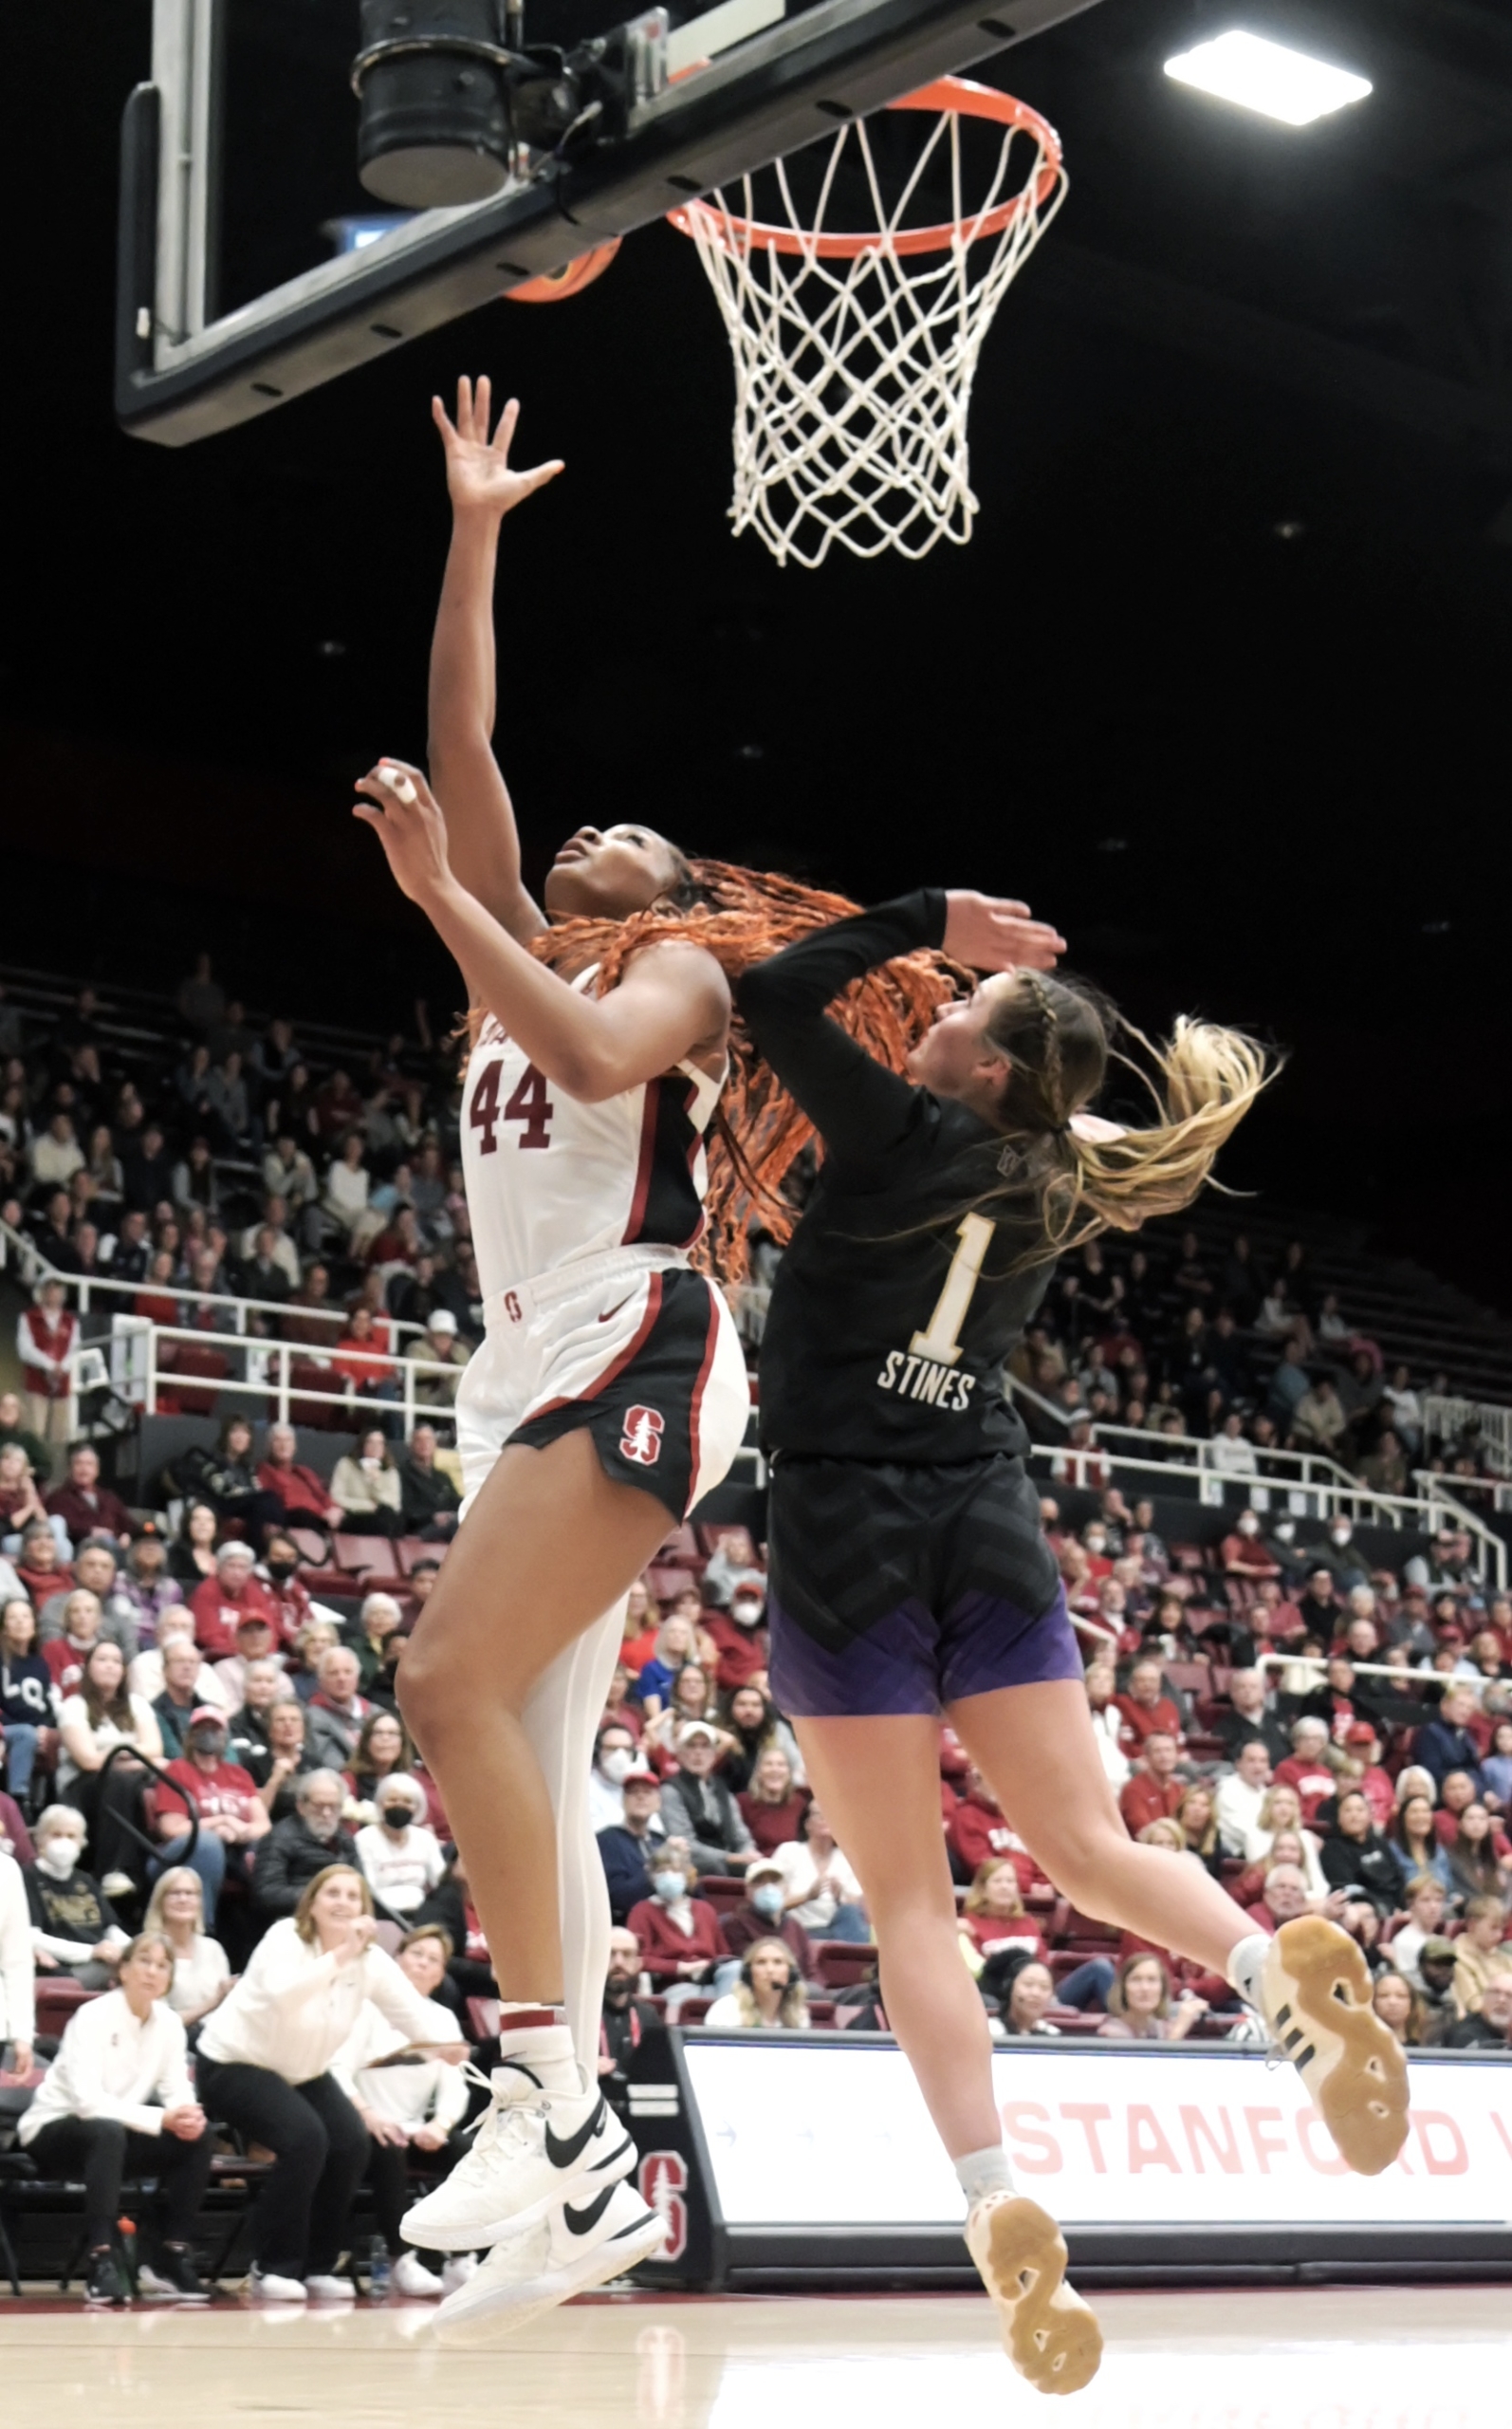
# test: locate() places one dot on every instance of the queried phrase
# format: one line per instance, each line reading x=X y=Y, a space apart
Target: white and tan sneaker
x=1049 y=2333
x=1317 y=1992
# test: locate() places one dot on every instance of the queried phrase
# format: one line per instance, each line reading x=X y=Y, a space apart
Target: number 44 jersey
x=550 y=1178
x=905 y=1286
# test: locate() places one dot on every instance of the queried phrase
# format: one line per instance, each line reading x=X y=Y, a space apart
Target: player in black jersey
x=909 y=1576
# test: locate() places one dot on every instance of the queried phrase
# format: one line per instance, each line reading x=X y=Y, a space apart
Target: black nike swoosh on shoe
x=635 y=2228
x=582 y=2222
x=568 y=2153
x=610 y=2156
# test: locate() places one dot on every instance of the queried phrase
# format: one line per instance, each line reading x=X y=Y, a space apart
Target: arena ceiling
x=1218 y=683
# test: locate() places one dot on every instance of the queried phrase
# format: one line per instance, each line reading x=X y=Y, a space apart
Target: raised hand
x=408 y=822
x=986 y=932
x=478 y=474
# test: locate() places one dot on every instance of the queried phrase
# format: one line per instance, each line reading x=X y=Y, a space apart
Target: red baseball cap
x=1359 y=1733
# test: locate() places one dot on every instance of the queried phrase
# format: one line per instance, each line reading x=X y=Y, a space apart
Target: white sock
x=1246 y=1964
x=980 y=2173
x=546 y=2048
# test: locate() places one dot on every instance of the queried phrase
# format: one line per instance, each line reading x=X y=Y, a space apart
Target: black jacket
x=289 y=1859
x=1367 y=1864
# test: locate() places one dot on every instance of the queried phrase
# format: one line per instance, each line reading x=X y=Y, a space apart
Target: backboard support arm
x=183 y=373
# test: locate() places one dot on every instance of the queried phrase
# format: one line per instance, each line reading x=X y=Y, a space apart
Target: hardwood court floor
x=1326 y=2358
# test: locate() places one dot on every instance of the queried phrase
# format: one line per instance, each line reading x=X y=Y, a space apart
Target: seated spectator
x=1140 y=2006
x=679 y=1935
x=231 y=1818
x=1480 y=1950
x=1244 y=1554
x=400 y=1857
x=202 y=1976
x=262 y=1686
x=148 y=1674
x=1241 y=1801
x=287 y=1759
x=191 y=1554
x=1357 y=1859
x=295 y=1850
x=1488 y=2026
x=265 y=2068
x=147 y=1586
x=371 y=1635
x=614 y=1759
x=992 y=1918
x=1415 y=1843
x=738 y=1634
x=179 y=1698
x=770 y=1994
x=303 y=1495
x=1198 y=1816
x=1495 y=1769
x=978 y=1827
x=227 y=1478
x=1435 y=1983
x=1459 y=1790
x=86 y=1506
x=1252 y=1715
x=752 y=1724
x=1426 y=1904
x=1153 y=1788
x=1385 y=1469
x=1107 y=1720
x=1021 y=2011
x=631 y=1849
x=74 y=1927
x=418 y=2106
x=1476 y=1869
x=1145 y=1707
x=20 y=1501
x=99 y=1717
x=1285 y=1896
x=1400 y=2008
x=773 y=1806
x=439 y=1345
x=1306 y=1769
x=675 y=1647
x=1360 y=1767
x=691 y=1698
x=367 y=1489
x=1281 y=1824
x=29 y=1698
x=383 y=1751
x=1449 y=1743
x=256 y=1643
x=221 y=1602
x=429 y=1501
x=762 y=1914
x=336 y=1710
x=13 y=1430
x=117 y=2101
x=821 y=1890
x=697 y=1806
x=624 y=2018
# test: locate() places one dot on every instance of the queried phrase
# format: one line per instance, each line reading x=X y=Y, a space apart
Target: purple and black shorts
x=903 y=1589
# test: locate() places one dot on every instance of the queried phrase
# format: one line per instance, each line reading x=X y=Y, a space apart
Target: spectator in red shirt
x=1363 y=1769
x=288 y=1595
x=1306 y=1768
x=65 y=1655
x=681 y=1942
x=40 y=1566
x=643 y=1620
x=86 y=1506
x=1154 y=1792
x=306 y=1496
x=1244 y=1555
x=225 y=1599
x=740 y=1638
x=231 y=1815
x=773 y=1806
x=993 y=1917
x=979 y=1828
x=1144 y=1708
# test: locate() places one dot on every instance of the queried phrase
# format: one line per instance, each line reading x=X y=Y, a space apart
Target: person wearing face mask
x=75 y=1931
x=400 y=1857
x=739 y=1632
x=614 y=1759
x=680 y=1936
x=1343 y=1556
x=624 y=2018
x=1244 y=1554
x=296 y=1849
x=279 y=1577
x=763 y=1914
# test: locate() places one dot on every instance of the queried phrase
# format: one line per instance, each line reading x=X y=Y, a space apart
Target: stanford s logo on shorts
x=511 y=1306
x=641 y=1439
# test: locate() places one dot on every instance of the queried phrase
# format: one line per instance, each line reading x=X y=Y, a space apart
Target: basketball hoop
x=854 y=352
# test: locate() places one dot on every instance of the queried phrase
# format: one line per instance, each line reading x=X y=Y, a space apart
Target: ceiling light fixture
x=1268 y=77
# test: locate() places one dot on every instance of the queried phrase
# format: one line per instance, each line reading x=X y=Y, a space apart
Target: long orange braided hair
x=742 y=916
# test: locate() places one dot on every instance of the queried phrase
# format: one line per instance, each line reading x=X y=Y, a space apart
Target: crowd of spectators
x=208 y=1783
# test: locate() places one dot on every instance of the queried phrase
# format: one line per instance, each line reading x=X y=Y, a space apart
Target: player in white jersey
x=610 y=1393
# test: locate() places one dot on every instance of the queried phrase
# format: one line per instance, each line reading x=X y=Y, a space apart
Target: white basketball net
x=853 y=374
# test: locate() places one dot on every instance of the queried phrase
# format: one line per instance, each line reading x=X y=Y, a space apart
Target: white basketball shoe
x=1049 y=2333
x=580 y=2245
x=532 y=2149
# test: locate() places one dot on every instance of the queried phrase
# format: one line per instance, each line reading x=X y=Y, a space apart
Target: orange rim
x=557 y=284
x=952 y=96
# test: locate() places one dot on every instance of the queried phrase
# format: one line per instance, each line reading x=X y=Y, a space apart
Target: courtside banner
x=832 y=2134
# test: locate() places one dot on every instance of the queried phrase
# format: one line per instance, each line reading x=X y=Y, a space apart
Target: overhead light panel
x=1268 y=77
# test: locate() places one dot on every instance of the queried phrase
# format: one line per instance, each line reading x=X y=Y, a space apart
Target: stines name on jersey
x=914 y=1378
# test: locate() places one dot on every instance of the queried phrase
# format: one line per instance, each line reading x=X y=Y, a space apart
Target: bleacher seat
x=192 y=1357
x=57 y=2002
x=1086 y=1936
x=840 y=1962
x=410 y=1549
x=667 y=1583
x=721 y=1890
x=369 y=1556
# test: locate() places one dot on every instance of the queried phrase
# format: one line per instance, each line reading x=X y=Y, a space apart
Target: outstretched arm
x=481 y=834
x=672 y=1002
x=857 y=1105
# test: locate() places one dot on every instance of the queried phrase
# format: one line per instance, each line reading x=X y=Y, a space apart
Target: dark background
x=1220 y=683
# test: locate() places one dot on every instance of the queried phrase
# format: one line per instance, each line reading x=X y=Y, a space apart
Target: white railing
x=1445 y=1418
x=139 y=1373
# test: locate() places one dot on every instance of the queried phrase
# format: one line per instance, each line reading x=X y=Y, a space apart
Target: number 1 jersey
x=550 y=1180
x=897 y=1300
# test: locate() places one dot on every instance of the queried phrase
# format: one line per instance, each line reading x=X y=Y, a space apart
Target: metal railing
x=140 y=1373
x=1447 y=1418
